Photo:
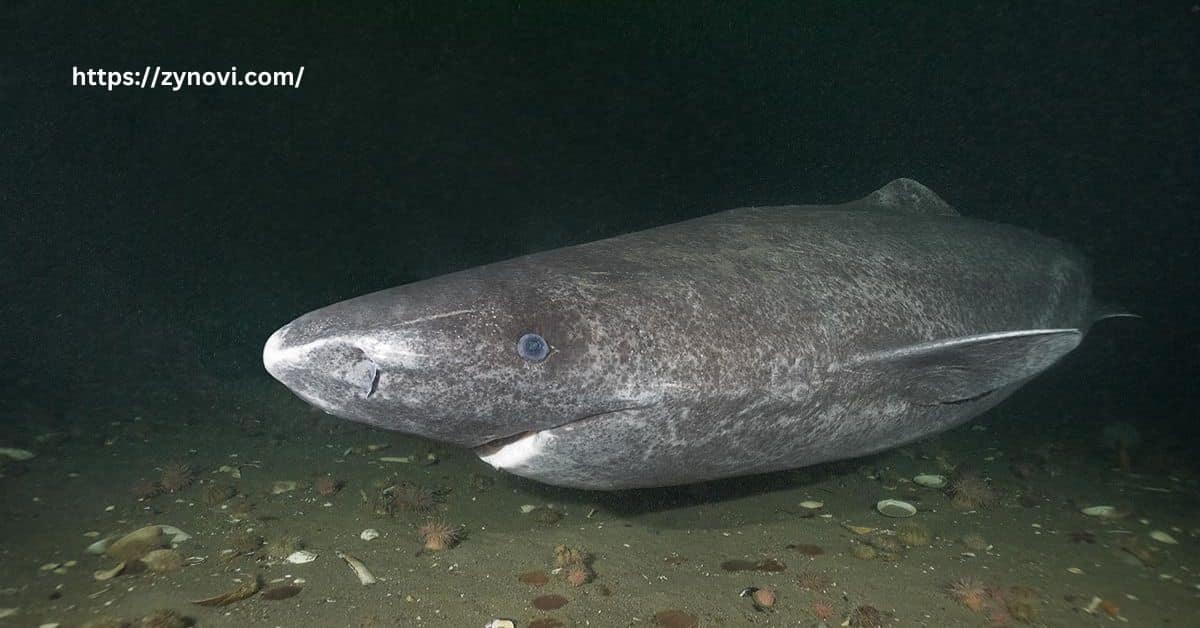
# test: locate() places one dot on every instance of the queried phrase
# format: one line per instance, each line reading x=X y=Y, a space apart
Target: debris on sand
x=247 y=589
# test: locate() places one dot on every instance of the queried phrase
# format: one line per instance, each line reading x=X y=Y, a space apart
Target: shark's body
x=746 y=341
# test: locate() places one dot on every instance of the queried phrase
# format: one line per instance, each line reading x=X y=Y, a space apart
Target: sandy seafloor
x=653 y=550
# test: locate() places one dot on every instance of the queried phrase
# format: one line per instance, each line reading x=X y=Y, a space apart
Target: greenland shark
x=746 y=341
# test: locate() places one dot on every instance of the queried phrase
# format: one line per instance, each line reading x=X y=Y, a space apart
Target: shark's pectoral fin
x=1105 y=311
x=963 y=369
x=591 y=453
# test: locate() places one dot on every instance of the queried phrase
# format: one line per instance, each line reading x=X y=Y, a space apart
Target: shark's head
x=472 y=358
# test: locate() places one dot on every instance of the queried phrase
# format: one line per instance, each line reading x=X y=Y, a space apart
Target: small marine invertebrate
x=326 y=486
x=578 y=575
x=437 y=535
x=240 y=508
x=144 y=489
x=763 y=598
x=1022 y=603
x=969 y=492
x=175 y=477
x=969 y=592
x=822 y=609
x=546 y=515
x=163 y=560
x=406 y=497
x=163 y=618
x=974 y=542
x=812 y=580
x=215 y=494
x=566 y=556
x=884 y=543
x=865 y=617
x=913 y=534
x=281 y=547
x=862 y=551
x=244 y=542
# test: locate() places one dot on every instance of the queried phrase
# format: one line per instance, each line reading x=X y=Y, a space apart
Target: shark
x=745 y=341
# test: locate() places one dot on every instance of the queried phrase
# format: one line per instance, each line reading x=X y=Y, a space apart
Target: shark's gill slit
x=375 y=373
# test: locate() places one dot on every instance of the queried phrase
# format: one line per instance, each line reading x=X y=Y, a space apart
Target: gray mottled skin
x=750 y=340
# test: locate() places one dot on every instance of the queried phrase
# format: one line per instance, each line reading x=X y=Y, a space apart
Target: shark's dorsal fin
x=962 y=369
x=904 y=196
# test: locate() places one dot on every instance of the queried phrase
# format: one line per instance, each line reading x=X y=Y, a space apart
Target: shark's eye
x=533 y=347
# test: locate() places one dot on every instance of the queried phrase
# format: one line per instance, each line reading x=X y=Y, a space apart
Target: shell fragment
x=895 y=508
x=16 y=454
x=360 y=570
x=284 y=486
x=301 y=557
x=1104 y=512
x=109 y=574
x=930 y=480
x=1163 y=537
x=369 y=534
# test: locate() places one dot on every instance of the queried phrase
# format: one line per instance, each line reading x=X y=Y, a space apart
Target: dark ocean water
x=151 y=240
x=153 y=232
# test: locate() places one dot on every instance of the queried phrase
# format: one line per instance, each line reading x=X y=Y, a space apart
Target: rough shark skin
x=746 y=341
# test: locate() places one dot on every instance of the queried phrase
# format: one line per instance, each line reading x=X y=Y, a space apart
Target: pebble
x=369 y=534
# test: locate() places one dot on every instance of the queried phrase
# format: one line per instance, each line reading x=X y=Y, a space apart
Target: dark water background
x=151 y=238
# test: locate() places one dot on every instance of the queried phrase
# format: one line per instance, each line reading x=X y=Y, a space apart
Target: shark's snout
x=329 y=372
x=274 y=355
